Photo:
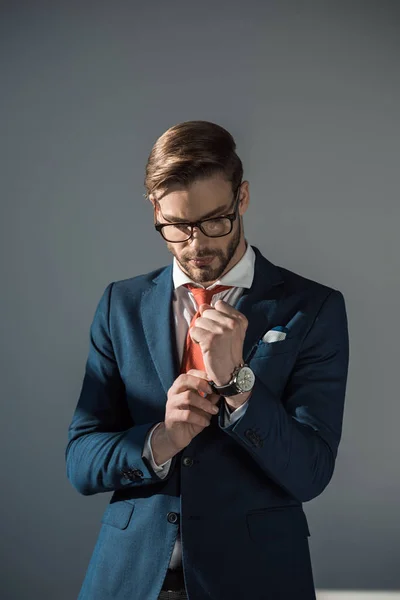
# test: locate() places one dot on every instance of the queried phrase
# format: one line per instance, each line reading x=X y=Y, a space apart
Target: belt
x=174 y=580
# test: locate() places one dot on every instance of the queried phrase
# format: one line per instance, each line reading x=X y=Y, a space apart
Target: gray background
x=310 y=91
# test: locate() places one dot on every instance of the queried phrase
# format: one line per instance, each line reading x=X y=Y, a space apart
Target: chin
x=205 y=276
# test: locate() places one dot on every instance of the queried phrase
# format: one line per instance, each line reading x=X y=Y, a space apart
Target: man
x=212 y=401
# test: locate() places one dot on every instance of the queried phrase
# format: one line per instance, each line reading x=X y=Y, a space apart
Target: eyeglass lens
x=211 y=227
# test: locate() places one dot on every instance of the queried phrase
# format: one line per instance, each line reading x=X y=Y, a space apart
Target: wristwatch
x=242 y=380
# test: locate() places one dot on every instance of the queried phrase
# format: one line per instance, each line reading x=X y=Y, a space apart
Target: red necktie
x=192 y=355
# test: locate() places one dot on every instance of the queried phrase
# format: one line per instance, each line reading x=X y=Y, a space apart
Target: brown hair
x=189 y=151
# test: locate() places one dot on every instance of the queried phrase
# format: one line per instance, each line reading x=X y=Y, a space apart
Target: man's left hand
x=220 y=331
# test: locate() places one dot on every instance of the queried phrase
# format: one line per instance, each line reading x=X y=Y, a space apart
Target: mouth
x=201 y=262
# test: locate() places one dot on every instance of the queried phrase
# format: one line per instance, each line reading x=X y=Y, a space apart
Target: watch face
x=245 y=379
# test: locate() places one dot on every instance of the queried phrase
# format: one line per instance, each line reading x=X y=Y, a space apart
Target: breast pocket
x=265 y=349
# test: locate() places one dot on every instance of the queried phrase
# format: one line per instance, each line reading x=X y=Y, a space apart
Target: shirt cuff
x=231 y=417
x=161 y=470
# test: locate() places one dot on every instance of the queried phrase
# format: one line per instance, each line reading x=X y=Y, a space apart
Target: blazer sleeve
x=294 y=437
x=104 y=449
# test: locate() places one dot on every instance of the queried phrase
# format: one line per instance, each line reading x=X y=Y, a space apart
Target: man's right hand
x=187 y=413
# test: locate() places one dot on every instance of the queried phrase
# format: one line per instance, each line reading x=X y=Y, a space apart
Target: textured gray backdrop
x=310 y=91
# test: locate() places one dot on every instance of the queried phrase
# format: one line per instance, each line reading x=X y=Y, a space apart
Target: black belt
x=174 y=580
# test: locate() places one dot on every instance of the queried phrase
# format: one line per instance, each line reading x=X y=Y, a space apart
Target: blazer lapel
x=159 y=327
x=257 y=303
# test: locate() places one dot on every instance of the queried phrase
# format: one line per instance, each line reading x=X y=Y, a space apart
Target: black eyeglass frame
x=231 y=216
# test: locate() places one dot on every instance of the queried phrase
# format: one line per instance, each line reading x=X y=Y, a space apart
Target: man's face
x=205 y=198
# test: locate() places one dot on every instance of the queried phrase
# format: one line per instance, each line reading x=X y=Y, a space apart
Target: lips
x=204 y=260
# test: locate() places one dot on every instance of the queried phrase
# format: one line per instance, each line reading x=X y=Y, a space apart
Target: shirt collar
x=241 y=275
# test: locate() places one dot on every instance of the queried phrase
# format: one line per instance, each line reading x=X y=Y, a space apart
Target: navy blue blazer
x=235 y=491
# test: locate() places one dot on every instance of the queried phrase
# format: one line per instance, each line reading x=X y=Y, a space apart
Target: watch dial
x=245 y=379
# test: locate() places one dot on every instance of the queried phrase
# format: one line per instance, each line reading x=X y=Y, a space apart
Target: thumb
x=197 y=373
x=204 y=307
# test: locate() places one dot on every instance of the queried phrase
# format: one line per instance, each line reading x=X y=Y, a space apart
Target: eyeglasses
x=212 y=227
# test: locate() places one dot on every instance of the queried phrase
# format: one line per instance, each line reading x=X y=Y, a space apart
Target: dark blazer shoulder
x=293 y=282
x=297 y=283
x=138 y=283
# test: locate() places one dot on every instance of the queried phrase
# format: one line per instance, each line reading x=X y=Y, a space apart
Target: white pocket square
x=273 y=336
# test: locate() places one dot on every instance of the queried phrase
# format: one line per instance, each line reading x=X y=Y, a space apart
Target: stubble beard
x=209 y=274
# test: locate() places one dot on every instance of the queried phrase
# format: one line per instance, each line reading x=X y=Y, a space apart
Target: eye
x=185 y=228
x=213 y=223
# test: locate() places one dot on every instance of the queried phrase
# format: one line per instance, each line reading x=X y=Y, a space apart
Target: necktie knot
x=203 y=296
x=192 y=356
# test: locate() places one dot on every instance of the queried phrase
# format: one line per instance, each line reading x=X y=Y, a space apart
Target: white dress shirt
x=184 y=308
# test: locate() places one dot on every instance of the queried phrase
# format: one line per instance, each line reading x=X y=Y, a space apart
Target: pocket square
x=276 y=334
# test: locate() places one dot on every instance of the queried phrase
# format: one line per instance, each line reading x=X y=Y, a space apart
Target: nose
x=197 y=236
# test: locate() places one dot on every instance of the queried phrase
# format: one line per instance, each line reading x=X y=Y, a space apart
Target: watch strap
x=231 y=388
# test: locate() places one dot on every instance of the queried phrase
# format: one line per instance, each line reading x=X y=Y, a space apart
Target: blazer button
x=187 y=461
x=249 y=433
x=132 y=474
x=172 y=517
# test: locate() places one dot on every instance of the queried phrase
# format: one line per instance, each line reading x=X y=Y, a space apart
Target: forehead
x=201 y=199
x=202 y=187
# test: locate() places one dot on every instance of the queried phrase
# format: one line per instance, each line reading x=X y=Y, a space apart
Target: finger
x=214 y=316
x=197 y=373
x=203 y=375
x=200 y=334
x=196 y=403
x=191 y=382
x=214 y=324
x=223 y=307
x=204 y=307
x=199 y=404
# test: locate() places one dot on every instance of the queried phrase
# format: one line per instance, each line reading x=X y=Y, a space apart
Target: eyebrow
x=212 y=213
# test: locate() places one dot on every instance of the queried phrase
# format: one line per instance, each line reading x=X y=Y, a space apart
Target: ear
x=244 y=198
